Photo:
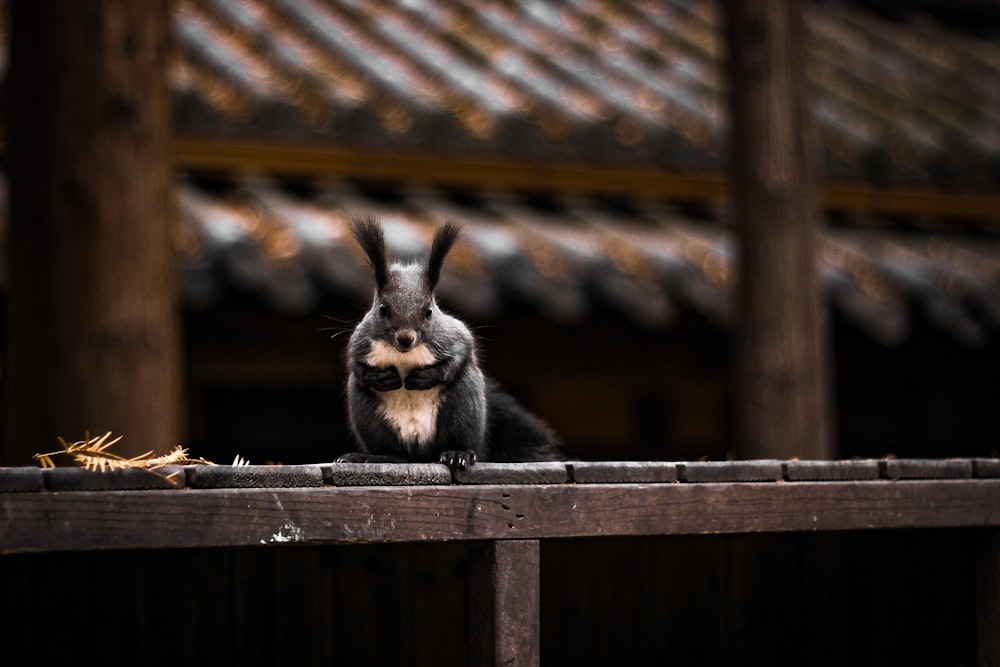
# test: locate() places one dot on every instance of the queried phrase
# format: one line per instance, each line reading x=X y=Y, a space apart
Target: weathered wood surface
x=92 y=323
x=551 y=472
x=505 y=599
x=988 y=597
x=82 y=520
x=33 y=479
x=783 y=399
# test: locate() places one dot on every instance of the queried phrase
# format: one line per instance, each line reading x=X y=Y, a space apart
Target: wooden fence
x=506 y=509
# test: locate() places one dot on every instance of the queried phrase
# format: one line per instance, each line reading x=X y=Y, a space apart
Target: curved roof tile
x=564 y=257
x=909 y=99
x=628 y=83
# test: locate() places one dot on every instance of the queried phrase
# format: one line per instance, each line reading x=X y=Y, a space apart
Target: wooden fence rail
x=507 y=507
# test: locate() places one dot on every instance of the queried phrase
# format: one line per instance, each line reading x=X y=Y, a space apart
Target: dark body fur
x=415 y=391
x=514 y=435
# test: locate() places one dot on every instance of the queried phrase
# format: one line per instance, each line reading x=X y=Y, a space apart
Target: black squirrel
x=415 y=391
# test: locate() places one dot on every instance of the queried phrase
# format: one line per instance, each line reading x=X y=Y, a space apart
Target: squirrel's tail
x=513 y=434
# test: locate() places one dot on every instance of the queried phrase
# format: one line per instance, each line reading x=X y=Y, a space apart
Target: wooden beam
x=86 y=520
x=449 y=170
x=93 y=341
x=328 y=162
x=783 y=393
x=505 y=599
x=910 y=201
x=988 y=597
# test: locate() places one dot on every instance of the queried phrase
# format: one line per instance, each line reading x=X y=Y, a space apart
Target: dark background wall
x=269 y=388
x=821 y=599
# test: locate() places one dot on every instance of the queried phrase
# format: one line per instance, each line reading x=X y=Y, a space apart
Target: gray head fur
x=404 y=312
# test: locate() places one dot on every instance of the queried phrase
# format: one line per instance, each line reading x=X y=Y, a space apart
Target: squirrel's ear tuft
x=444 y=239
x=367 y=231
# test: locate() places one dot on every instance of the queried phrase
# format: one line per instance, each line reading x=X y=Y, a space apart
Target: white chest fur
x=413 y=413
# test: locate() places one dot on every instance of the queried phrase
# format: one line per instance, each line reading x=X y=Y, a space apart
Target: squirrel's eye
x=428 y=313
x=383 y=310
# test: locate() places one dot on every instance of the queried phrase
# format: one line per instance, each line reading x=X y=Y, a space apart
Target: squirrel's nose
x=404 y=339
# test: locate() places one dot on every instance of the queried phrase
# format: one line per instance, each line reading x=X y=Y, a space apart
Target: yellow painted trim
x=504 y=173
x=909 y=200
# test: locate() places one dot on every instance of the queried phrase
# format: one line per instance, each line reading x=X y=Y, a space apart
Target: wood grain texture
x=783 y=400
x=988 y=597
x=53 y=521
x=609 y=472
x=546 y=472
x=93 y=340
x=387 y=474
x=505 y=598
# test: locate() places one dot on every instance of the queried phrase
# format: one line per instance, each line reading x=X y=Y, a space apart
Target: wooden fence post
x=781 y=365
x=505 y=603
x=92 y=336
x=988 y=598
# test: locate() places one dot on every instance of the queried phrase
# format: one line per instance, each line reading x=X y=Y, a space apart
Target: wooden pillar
x=505 y=603
x=781 y=370
x=988 y=598
x=92 y=326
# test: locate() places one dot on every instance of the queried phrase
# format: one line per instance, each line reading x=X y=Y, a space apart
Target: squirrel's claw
x=458 y=460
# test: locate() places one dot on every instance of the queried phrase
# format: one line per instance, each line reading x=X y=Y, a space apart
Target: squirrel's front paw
x=421 y=378
x=384 y=379
x=459 y=460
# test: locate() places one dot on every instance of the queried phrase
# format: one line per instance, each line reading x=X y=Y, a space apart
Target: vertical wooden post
x=93 y=342
x=505 y=603
x=783 y=397
x=988 y=598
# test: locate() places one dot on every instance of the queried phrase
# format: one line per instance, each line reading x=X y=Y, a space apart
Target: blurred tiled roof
x=600 y=80
x=590 y=81
x=565 y=257
x=631 y=85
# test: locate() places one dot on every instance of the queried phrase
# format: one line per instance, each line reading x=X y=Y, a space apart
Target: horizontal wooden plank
x=926 y=468
x=986 y=467
x=22 y=479
x=387 y=474
x=248 y=476
x=126 y=479
x=802 y=471
x=547 y=472
x=71 y=478
x=610 y=472
x=57 y=521
x=730 y=471
x=491 y=172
